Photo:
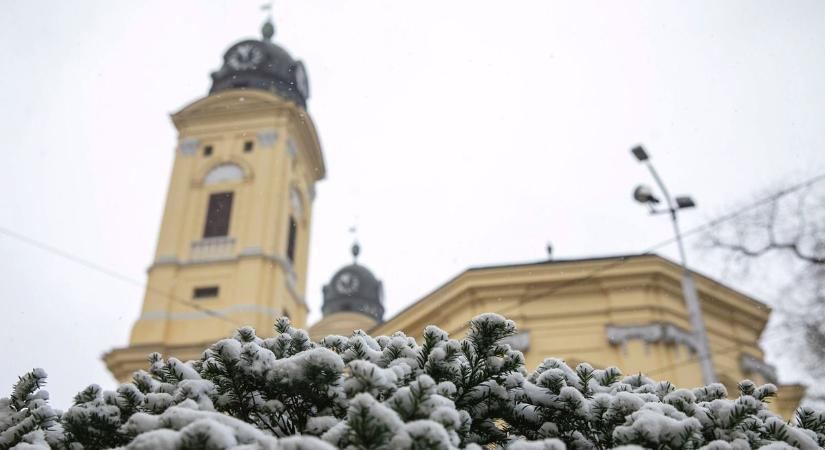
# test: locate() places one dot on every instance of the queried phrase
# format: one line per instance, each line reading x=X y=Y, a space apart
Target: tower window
x=205 y=292
x=248 y=146
x=217 y=215
x=207 y=150
x=290 y=243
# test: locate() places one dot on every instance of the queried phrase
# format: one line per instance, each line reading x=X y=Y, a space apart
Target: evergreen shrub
x=391 y=392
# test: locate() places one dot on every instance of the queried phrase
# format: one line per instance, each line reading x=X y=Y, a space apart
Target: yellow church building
x=234 y=238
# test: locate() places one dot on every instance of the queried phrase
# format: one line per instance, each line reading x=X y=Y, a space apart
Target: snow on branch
x=391 y=392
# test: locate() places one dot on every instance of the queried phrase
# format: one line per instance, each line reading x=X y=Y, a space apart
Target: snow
x=208 y=435
x=290 y=393
x=182 y=370
x=659 y=424
x=547 y=444
x=303 y=443
x=421 y=432
x=156 y=440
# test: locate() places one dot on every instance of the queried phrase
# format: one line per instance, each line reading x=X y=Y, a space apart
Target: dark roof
x=262 y=65
x=354 y=288
x=546 y=262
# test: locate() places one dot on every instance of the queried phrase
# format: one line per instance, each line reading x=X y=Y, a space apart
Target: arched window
x=217 y=215
x=293 y=236
x=296 y=202
x=222 y=173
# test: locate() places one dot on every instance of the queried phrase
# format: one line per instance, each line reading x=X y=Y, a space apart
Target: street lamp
x=643 y=194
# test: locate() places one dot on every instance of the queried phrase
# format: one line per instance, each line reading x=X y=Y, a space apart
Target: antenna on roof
x=549 y=248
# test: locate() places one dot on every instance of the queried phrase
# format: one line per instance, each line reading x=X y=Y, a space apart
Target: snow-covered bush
x=390 y=392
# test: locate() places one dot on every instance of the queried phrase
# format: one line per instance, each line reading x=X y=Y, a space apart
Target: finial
x=268 y=30
x=355 y=249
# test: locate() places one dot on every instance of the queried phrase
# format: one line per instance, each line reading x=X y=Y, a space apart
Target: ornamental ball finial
x=268 y=30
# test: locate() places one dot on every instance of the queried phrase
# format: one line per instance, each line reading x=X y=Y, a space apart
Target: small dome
x=354 y=289
x=253 y=64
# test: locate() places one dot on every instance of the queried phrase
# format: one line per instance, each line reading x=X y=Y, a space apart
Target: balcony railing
x=212 y=248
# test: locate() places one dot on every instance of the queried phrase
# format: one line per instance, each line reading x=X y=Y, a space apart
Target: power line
x=666 y=242
x=124 y=278
x=707 y=225
x=724 y=218
x=111 y=273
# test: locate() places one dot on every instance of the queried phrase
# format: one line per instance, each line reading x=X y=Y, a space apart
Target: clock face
x=347 y=283
x=245 y=56
x=301 y=81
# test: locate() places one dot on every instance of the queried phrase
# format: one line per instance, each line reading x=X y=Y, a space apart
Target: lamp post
x=643 y=194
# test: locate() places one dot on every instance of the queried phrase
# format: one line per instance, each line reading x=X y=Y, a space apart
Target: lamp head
x=685 y=202
x=643 y=194
x=640 y=153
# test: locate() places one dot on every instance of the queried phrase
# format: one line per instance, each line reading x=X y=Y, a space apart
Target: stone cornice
x=562 y=278
x=249 y=252
x=232 y=106
x=654 y=332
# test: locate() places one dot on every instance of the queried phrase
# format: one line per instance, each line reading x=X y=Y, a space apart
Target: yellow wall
x=573 y=320
x=257 y=283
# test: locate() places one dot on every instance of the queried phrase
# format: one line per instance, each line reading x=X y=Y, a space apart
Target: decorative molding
x=267 y=138
x=248 y=252
x=296 y=200
x=227 y=172
x=189 y=146
x=212 y=248
x=518 y=341
x=291 y=149
x=651 y=333
x=166 y=259
x=252 y=251
x=755 y=365
x=199 y=177
x=190 y=315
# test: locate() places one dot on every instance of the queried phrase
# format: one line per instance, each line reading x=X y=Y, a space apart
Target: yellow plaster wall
x=256 y=282
x=570 y=320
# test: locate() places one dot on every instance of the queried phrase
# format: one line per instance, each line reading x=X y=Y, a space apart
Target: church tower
x=233 y=242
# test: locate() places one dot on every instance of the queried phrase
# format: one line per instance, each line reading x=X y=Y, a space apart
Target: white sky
x=456 y=134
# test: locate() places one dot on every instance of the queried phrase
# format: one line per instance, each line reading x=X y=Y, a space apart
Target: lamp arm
x=661 y=185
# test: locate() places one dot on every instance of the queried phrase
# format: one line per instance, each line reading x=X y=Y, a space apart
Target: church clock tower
x=233 y=242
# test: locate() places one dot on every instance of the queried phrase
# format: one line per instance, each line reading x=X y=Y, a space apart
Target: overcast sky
x=455 y=133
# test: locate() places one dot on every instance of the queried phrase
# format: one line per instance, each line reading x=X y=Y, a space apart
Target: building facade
x=233 y=245
x=625 y=311
x=234 y=238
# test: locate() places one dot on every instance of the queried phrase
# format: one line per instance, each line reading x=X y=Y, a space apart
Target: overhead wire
x=649 y=251
x=113 y=274
x=543 y=294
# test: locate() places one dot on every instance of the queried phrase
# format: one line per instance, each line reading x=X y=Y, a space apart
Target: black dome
x=355 y=289
x=253 y=64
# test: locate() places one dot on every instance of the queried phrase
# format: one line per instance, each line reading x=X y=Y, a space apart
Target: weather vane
x=356 y=249
x=268 y=29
